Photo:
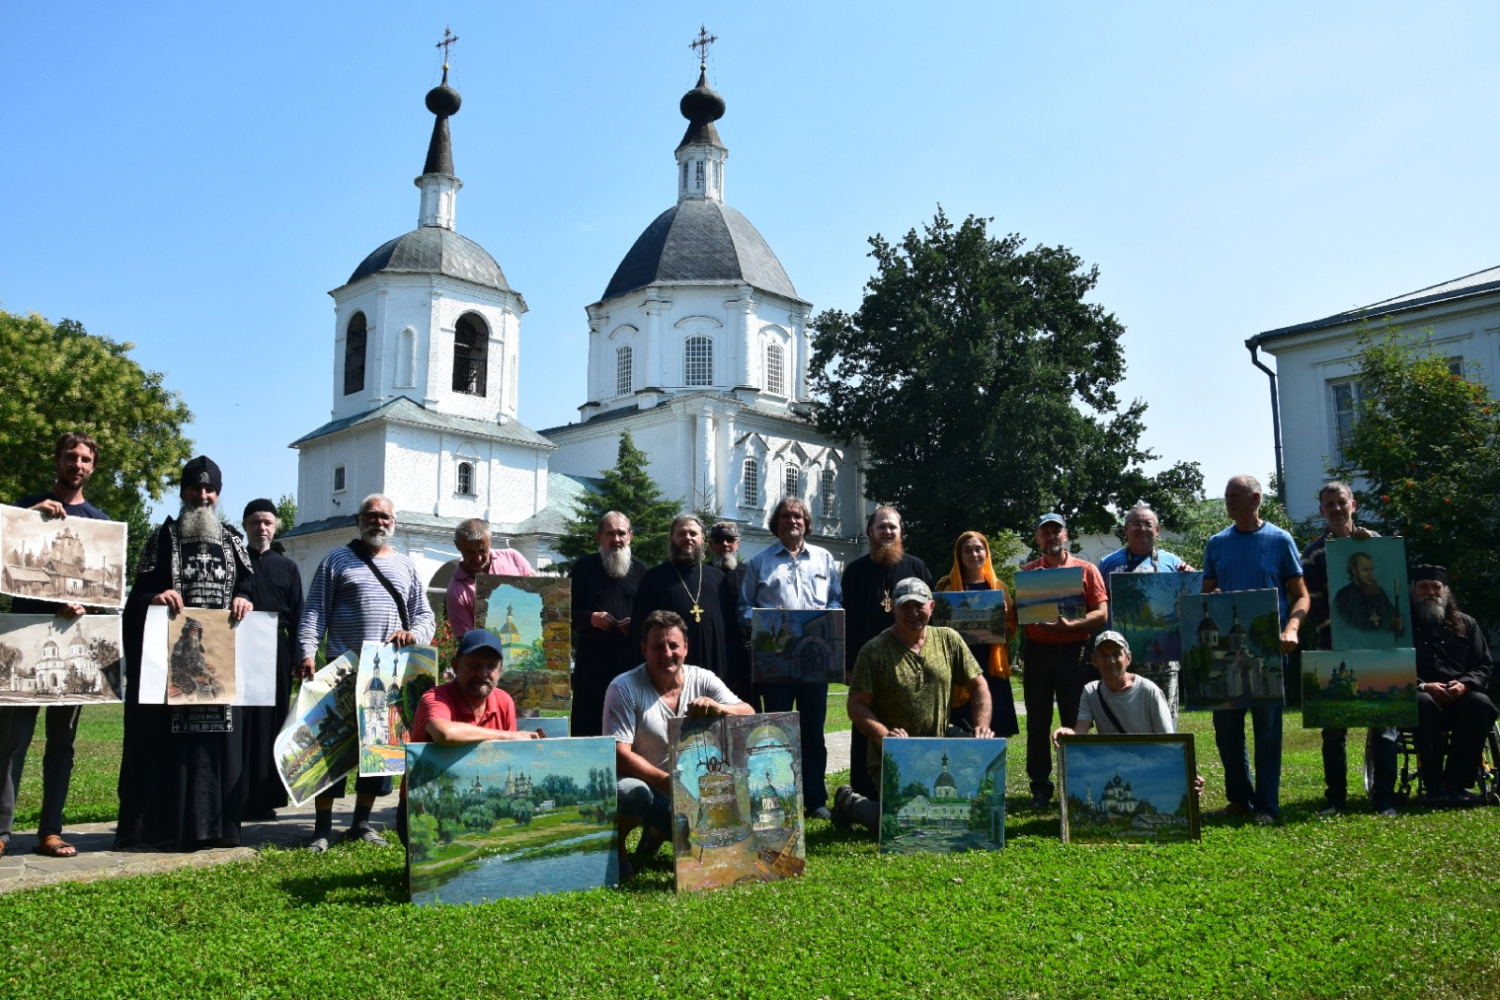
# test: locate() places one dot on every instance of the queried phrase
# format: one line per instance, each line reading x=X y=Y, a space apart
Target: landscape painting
x=320 y=742
x=1128 y=789
x=1143 y=608
x=1231 y=649
x=71 y=560
x=1369 y=606
x=532 y=615
x=798 y=647
x=201 y=661
x=736 y=799
x=388 y=689
x=1356 y=688
x=60 y=661
x=942 y=796
x=510 y=818
x=977 y=615
x=1047 y=595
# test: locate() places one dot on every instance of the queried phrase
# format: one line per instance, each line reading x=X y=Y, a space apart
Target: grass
x=1357 y=906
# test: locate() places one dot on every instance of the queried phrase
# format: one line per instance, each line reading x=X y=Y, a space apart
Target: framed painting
x=942 y=796
x=532 y=616
x=1128 y=789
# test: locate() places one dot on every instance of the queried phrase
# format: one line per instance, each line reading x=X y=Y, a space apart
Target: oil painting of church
x=801 y=647
x=1127 y=789
x=319 y=743
x=532 y=615
x=1359 y=687
x=1231 y=649
x=60 y=661
x=78 y=560
x=942 y=795
x=388 y=688
x=978 y=615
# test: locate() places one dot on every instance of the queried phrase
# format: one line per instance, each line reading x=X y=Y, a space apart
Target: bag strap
x=360 y=549
x=1099 y=694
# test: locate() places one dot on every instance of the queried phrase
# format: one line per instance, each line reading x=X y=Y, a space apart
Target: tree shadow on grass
x=348 y=888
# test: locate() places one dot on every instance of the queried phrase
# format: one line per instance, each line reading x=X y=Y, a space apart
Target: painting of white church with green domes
x=1127 y=789
x=942 y=795
x=532 y=615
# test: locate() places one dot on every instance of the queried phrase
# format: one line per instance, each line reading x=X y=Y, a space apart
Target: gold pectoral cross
x=885 y=602
x=1374 y=619
x=696 y=612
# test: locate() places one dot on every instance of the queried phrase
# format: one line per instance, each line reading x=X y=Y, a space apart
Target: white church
x=699 y=347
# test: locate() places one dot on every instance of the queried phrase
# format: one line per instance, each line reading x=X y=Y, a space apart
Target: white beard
x=726 y=563
x=1432 y=609
x=375 y=539
x=199 y=524
x=616 y=563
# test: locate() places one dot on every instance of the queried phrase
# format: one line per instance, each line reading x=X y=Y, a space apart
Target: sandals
x=53 y=846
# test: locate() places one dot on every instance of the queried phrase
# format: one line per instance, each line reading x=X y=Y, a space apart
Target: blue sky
x=195 y=178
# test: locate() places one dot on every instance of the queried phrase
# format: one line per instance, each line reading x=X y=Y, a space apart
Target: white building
x=1316 y=361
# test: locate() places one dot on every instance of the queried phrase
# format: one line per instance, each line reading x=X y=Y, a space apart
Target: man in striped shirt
x=353 y=600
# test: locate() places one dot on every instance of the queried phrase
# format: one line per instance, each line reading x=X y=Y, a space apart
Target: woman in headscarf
x=972 y=571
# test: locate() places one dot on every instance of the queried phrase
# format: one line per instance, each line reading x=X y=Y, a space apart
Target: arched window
x=775 y=369
x=471 y=344
x=698 y=361
x=354 y=355
x=624 y=370
x=752 y=483
x=465 y=479
x=793 y=483
x=829 y=492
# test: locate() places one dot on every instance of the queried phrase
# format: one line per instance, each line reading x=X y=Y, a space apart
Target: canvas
x=942 y=796
x=388 y=689
x=1143 y=608
x=736 y=799
x=72 y=560
x=1354 y=688
x=552 y=726
x=532 y=615
x=319 y=743
x=1046 y=595
x=1369 y=606
x=1231 y=649
x=1128 y=789
x=202 y=657
x=977 y=615
x=510 y=818
x=60 y=661
x=798 y=647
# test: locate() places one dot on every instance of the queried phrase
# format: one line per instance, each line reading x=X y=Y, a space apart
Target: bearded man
x=181 y=781
x=604 y=586
x=1453 y=673
x=277 y=587
x=868 y=583
x=699 y=594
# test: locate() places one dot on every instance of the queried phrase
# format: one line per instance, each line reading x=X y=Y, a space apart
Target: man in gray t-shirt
x=636 y=709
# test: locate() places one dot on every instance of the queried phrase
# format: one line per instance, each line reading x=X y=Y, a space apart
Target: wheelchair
x=1408 y=765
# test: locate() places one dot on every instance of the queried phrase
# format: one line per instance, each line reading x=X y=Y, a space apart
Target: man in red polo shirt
x=469 y=708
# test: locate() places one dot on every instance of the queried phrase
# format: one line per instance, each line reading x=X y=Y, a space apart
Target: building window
x=624 y=370
x=698 y=174
x=752 y=483
x=684 y=176
x=829 y=492
x=775 y=370
x=1347 y=396
x=354 y=355
x=471 y=345
x=793 y=482
x=338 y=479
x=465 y=479
x=698 y=361
x=1456 y=365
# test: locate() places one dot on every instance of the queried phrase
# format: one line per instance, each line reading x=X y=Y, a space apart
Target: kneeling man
x=636 y=709
x=470 y=708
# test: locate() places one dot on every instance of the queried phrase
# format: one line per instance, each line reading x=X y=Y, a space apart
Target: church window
x=471 y=344
x=775 y=369
x=684 y=176
x=698 y=174
x=698 y=361
x=829 y=491
x=354 y=355
x=338 y=479
x=465 y=479
x=793 y=482
x=752 y=483
x=624 y=370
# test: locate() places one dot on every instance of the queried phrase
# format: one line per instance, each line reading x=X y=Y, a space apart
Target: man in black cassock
x=277 y=586
x=182 y=776
x=604 y=586
x=868 y=583
x=724 y=544
x=697 y=592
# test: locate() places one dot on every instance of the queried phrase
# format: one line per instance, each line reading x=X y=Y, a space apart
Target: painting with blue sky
x=1045 y=595
x=942 y=795
x=1143 y=608
x=1127 y=789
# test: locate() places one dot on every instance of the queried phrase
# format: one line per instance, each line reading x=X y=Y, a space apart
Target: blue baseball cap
x=1052 y=518
x=476 y=639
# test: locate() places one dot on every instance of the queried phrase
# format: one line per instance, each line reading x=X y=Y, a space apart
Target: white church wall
x=359 y=452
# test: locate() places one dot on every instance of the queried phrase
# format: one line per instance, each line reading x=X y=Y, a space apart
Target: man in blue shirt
x=1140 y=554
x=1252 y=554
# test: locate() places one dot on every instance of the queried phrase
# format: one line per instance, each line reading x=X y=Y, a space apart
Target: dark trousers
x=811 y=700
x=1467 y=720
x=17 y=726
x=859 y=767
x=1052 y=670
x=1336 y=768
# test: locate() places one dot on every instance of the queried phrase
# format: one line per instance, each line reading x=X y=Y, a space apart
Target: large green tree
x=61 y=378
x=982 y=384
x=629 y=489
x=1424 y=457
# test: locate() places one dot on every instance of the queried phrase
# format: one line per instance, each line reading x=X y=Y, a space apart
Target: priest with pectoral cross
x=699 y=593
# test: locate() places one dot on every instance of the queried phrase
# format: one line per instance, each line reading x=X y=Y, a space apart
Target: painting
x=554 y=727
x=1128 y=789
x=1231 y=649
x=388 y=689
x=977 y=615
x=736 y=800
x=1143 y=608
x=320 y=742
x=1368 y=603
x=1046 y=595
x=532 y=615
x=60 y=661
x=942 y=796
x=71 y=560
x=201 y=656
x=797 y=647
x=1359 y=687
x=510 y=818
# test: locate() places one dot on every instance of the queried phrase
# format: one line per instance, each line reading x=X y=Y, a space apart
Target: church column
x=651 y=350
x=802 y=345
x=375 y=375
x=705 y=475
x=439 y=353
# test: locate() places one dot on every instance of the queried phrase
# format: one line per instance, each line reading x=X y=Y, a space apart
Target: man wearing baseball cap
x=1119 y=702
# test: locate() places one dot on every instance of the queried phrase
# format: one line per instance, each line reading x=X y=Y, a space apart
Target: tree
x=629 y=489
x=983 y=385
x=286 y=513
x=1424 y=456
x=61 y=378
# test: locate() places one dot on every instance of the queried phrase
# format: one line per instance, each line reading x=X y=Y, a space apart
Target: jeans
x=1229 y=734
x=811 y=700
x=17 y=726
x=639 y=801
x=1057 y=670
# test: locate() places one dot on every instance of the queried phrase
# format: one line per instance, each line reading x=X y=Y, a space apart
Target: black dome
x=700 y=241
x=434 y=250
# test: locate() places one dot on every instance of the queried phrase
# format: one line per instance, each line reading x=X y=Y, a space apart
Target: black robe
x=277 y=587
x=599 y=656
x=866 y=587
x=710 y=634
x=180 y=791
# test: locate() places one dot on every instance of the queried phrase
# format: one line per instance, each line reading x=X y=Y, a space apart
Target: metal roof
x=404 y=410
x=434 y=250
x=1478 y=283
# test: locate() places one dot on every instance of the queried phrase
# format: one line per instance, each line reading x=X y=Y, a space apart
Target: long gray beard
x=726 y=563
x=199 y=524
x=616 y=563
x=1432 y=609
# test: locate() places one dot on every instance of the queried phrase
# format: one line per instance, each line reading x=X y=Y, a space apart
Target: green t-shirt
x=912 y=690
